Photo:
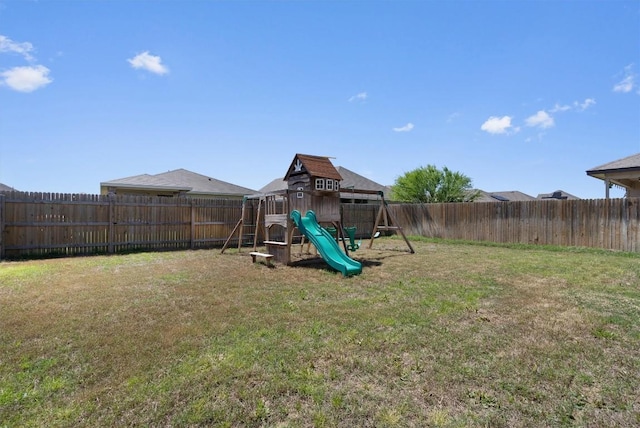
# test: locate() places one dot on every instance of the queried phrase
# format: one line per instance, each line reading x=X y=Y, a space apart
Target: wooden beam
x=224 y=247
x=384 y=215
x=255 y=235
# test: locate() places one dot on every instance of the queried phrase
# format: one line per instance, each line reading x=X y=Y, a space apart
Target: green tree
x=429 y=184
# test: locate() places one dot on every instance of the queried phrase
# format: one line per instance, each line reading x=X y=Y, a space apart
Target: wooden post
x=2 y=221
x=244 y=200
x=286 y=207
x=376 y=224
x=393 y=219
x=193 y=224
x=385 y=214
x=111 y=232
x=255 y=234
x=340 y=235
x=224 y=247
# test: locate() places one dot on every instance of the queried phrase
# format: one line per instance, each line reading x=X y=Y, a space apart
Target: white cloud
x=556 y=108
x=541 y=119
x=151 y=63
x=576 y=105
x=452 y=117
x=27 y=78
x=628 y=81
x=581 y=106
x=408 y=127
x=358 y=97
x=499 y=125
x=24 y=48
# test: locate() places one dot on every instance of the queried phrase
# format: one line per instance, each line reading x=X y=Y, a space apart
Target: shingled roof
x=316 y=166
x=630 y=163
x=557 y=194
x=5 y=188
x=352 y=180
x=504 y=196
x=179 y=180
x=624 y=173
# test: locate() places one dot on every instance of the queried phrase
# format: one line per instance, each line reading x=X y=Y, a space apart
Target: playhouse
x=313 y=183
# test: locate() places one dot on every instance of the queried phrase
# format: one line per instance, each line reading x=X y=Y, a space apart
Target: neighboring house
x=275 y=186
x=179 y=182
x=558 y=194
x=512 y=195
x=350 y=180
x=5 y=188
x=623 y=172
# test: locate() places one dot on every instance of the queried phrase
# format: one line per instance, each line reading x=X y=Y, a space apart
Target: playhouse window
x=329 y=184
x=300 y=195
x=337 y=186
x=319 y=183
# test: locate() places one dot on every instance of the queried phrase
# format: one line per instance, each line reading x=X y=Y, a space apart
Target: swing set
x=385 y=221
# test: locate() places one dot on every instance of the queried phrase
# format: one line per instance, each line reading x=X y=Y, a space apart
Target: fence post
x=2 y=214
x=193 y=224
x=624 y=229
x=111 y=232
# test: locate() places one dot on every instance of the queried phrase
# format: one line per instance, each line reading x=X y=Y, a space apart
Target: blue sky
x=517 y=95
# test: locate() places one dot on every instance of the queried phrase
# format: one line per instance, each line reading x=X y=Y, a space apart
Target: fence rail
x=44 y=224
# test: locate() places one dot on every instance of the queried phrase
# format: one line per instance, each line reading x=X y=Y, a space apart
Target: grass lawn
x=456 y=335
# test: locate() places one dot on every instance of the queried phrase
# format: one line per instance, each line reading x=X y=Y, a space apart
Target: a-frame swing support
x=382 y=220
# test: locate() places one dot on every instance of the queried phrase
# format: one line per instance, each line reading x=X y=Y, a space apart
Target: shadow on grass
x=320 y=264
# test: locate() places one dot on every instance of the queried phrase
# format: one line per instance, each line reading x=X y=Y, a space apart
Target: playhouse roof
x=317 y=166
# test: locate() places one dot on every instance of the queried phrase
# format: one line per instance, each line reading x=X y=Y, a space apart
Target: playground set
x=312 y=199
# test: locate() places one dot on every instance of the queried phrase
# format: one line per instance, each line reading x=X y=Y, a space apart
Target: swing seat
x=351 y=232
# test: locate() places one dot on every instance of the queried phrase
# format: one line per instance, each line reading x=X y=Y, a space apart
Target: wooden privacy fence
x=601 y=223
x=43 y=225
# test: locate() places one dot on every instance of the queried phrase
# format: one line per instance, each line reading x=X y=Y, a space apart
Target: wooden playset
x=313 y=184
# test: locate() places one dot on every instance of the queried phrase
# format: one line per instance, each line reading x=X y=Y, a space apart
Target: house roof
x=630 y=163
x=5 y=188
x=352 y=180
x=558 y=194
x=179 y=180
x=624 y=173
x=316 y=166
x=506 y=196
x=275 y=185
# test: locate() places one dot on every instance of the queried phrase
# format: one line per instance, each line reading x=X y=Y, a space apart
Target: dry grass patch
x=454 y=335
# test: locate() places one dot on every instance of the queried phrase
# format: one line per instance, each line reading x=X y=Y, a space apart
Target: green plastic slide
x=325 y=243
